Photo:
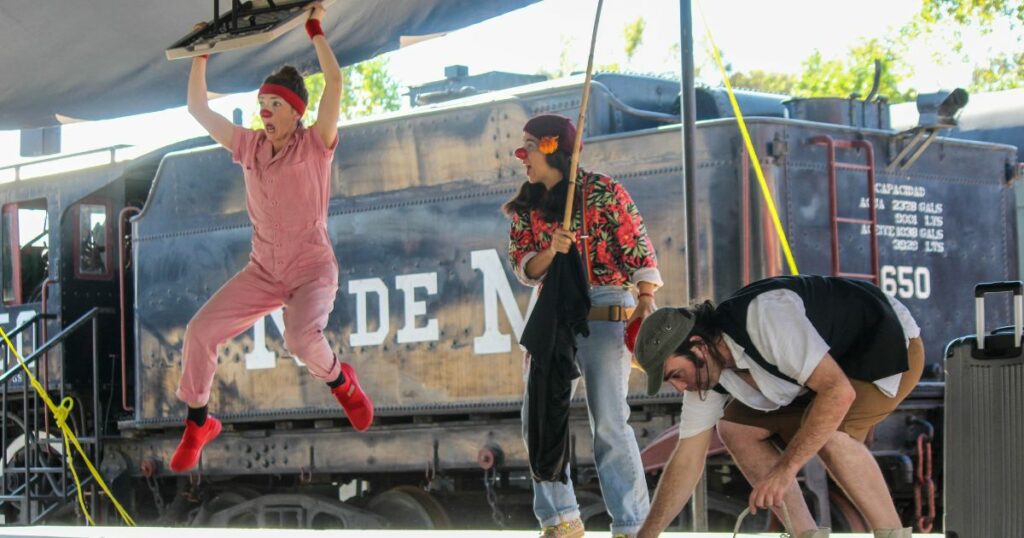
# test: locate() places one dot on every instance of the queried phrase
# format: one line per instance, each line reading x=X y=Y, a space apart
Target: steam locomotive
x=102 y=268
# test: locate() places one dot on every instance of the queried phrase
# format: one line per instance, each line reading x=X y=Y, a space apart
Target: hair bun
x=289 y=71
x=289 y=77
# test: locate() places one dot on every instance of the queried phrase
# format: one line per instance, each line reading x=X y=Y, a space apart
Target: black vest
x=853 y=317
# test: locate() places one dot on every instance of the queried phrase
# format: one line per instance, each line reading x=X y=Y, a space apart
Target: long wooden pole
x=567 y=220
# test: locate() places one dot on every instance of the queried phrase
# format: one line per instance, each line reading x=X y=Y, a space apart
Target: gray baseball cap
x=660 y=335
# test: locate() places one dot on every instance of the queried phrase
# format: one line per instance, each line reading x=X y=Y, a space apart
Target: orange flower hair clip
x=548 y=144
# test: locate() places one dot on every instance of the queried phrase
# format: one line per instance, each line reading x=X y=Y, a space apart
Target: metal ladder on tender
x=869 y=169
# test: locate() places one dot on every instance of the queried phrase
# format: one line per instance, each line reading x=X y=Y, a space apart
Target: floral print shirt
x=621 y=253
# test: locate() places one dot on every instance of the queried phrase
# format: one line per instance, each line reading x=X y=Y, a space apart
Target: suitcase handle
x=1017 y=287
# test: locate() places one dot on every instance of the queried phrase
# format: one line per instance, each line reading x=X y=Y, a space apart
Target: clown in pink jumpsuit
x=287 y=170
x=292 y=263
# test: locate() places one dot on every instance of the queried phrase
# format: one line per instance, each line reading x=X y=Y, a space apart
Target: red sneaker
x=357 y=405
x=186 y=456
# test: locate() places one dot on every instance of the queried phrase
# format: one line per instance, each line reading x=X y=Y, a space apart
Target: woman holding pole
x=618 y=256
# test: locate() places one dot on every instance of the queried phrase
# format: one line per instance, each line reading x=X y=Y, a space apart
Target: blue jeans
x=604 y=363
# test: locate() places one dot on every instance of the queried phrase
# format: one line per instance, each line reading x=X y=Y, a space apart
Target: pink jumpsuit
x=292 y=263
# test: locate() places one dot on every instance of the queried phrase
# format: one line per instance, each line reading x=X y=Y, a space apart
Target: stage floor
x=164 y=532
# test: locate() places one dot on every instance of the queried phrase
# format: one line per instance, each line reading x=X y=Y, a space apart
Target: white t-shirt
x=778 y=327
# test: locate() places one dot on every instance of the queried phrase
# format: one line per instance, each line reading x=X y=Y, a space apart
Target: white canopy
x=99 y=59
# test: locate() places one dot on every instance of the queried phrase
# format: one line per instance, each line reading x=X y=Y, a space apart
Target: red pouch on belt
x=631 y=331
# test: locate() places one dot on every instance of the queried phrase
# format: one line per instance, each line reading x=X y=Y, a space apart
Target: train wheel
x=221 y=501
x=47 y=451
x=295 y=511
x=409 y=507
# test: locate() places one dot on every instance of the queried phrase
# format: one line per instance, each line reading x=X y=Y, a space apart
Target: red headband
x=286 y=94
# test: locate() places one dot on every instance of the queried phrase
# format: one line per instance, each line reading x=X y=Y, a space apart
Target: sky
x=753 y=34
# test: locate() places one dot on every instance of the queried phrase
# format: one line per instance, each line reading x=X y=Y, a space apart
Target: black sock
x=197 y=415
x=337 y=382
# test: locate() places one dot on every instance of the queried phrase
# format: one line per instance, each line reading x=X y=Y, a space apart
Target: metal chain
x=924 y=484
x=490 y=477
x=158 y=500
x=193 y=493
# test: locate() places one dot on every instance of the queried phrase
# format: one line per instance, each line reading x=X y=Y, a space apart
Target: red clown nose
x=520 y=153
x=264 y=113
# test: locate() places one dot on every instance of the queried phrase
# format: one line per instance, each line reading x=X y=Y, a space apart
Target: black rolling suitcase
x=984 y=426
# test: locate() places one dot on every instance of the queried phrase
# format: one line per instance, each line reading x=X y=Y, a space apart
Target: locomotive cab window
x=92 y=243
x=24 y=248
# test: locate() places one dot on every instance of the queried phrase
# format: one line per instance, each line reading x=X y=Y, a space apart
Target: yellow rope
x=750 y=148
x=60 y=414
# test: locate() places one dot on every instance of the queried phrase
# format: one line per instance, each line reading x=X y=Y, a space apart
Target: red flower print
x=618 y=243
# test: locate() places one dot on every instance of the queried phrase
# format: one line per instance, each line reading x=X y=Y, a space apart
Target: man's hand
x=680 y=476
x=769 y=491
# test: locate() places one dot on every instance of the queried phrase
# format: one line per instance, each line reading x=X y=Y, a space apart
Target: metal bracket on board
x=246 y=24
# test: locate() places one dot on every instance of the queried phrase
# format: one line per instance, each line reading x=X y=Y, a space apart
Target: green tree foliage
x=1000 y=71
x=566 y=65
x=941 y=24
x=971 y=12
x=634 y=34
x=368 y=88
x=1004 y=72
x=855 y=73
x=765 y=81
x=838 y=77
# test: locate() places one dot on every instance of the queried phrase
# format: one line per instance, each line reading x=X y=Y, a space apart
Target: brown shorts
x=869 y=408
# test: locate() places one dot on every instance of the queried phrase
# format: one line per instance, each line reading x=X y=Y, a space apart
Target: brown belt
x=610 y=313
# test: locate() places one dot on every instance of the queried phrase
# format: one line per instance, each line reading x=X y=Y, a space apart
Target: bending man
x=812 y=361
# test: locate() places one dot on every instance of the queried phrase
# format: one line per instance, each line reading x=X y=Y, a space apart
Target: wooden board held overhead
x=246 y=24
